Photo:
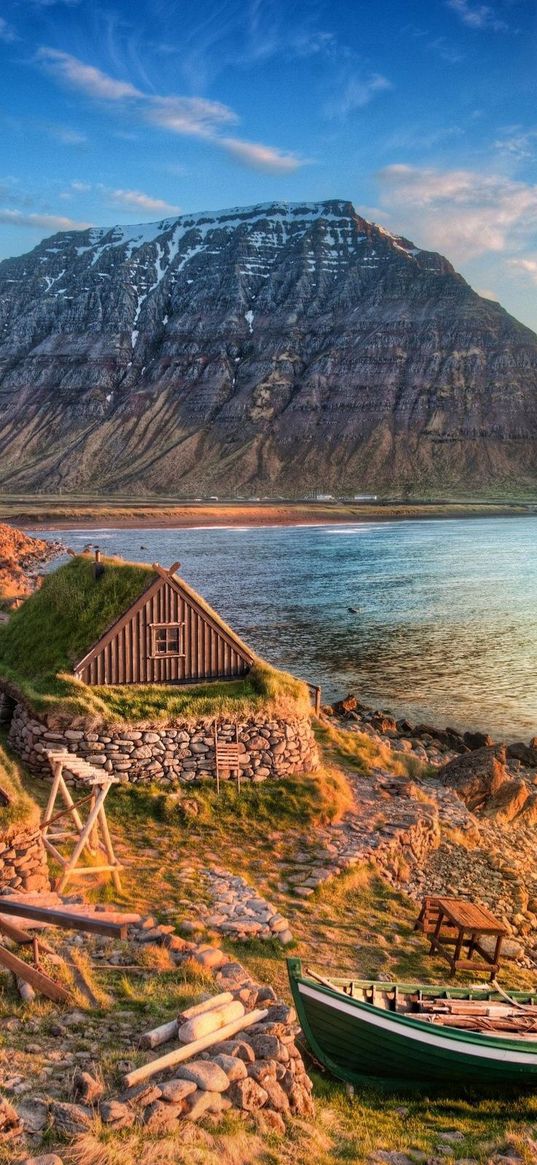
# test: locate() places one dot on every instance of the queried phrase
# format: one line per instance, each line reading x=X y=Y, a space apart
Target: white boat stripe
x=438 y=1040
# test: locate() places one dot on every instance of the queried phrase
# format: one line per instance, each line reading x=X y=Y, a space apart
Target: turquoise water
x=444 y=627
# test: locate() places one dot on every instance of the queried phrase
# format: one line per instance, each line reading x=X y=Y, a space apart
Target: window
x=166 y=639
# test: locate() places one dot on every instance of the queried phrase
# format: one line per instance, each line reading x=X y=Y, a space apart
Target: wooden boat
x=408 y=1032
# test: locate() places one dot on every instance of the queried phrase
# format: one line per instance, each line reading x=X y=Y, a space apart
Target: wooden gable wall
x=124 y=655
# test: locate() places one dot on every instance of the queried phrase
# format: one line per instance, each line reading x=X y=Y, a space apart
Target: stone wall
x=23 y=861
x=271 y=747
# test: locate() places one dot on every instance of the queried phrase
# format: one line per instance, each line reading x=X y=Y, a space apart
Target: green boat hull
x=354 y=1039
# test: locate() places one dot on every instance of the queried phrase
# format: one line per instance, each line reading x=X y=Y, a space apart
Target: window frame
x=154 y=628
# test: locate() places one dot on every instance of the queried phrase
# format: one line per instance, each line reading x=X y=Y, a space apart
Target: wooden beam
x=37 y=979
x=192 y=1049
x=68 y=919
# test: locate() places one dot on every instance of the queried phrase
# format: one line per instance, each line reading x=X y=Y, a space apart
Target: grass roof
x=57 y=625
x=20 y=810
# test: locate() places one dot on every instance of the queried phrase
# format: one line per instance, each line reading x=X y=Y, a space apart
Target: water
x=444 y=629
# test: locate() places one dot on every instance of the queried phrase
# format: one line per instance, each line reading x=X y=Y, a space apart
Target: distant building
x=365 y=498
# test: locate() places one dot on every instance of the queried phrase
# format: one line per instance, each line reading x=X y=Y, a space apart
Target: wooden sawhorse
x=92 y=834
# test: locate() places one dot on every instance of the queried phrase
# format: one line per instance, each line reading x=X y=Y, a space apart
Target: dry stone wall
x=23 y=862
x=271 y=747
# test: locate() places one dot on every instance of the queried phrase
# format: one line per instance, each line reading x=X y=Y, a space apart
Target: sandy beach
x=56 y=513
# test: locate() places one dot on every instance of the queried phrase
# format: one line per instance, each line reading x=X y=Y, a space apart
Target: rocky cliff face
x=281 y=348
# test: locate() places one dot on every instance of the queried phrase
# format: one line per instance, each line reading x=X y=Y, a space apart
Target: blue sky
x=423 y=113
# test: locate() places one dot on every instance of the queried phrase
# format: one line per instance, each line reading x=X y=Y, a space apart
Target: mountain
x=278 y=348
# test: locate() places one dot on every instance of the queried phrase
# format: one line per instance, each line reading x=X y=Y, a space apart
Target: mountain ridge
x=281 y=346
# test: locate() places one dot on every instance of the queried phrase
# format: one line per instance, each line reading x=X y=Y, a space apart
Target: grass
x=57 y=625
x=356 y=923
x=358 y=752
x=22 y=810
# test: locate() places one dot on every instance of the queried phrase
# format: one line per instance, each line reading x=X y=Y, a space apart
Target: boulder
x=70 y=1119
x=43 y=1159
x=383 y=724
x=202 y=1101
x=247 y=1094
x=175 y=1091
x=205 y=1074
x=233 y=1066
x=476 y=776
x=524 y=753
x=116 y=1114
x=475 y=740
x=507 y=801
x=86 y=1088
x=160 y=1117
x=528 y=813
x=348 y=704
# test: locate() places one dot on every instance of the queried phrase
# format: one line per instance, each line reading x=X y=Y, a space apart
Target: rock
x=348 y=704
x=142 y=1094
x=70 y=1119
x=113 y=1112
x=33 y=1114
x=266 y=1047
x=523 y=752
x=475 y=740
x=86 y=1088
x=247 y=1094
x=528 y=813
x=212 y=959
x=10 y=1122
x=276 y=1096
x=235 y=1047
x=160 y=1117
x=201 y=1102
x=476 y=776
x=233 y=1066
x=508 y=801
x=43 y=1159
x=269 y=1121
x=174 y=1091
x=205 y=1074
x=383 y=724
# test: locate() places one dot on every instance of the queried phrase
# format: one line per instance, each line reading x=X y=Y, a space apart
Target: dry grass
x=358 y=751
x=22 y=810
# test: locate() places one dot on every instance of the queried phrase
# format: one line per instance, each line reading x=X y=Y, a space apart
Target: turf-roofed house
x=126 y=665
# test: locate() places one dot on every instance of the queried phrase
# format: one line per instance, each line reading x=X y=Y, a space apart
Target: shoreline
x=57 y=515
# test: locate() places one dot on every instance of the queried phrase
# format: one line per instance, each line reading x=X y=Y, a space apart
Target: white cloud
x=140 y=201
x=261 y=157
x=47 y=222
x=194 y=116
x=190 y=116
x=86 y=78
x=67 y=136
x=461 y=212
x=487 y=293
x=80 y=187
x=477 y=15
x=528 y=267
x=7 y=33
x=357 y=92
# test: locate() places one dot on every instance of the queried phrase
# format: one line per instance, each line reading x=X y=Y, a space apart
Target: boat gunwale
x=481 y=1040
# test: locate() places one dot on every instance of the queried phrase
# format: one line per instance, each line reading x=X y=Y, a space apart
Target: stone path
x=240 y=912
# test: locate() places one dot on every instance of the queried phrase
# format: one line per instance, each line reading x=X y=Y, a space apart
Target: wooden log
x=159 y=1035
x=210 y=1021
x=166 y=1031
x=206 y=1005
x=188 y=1050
